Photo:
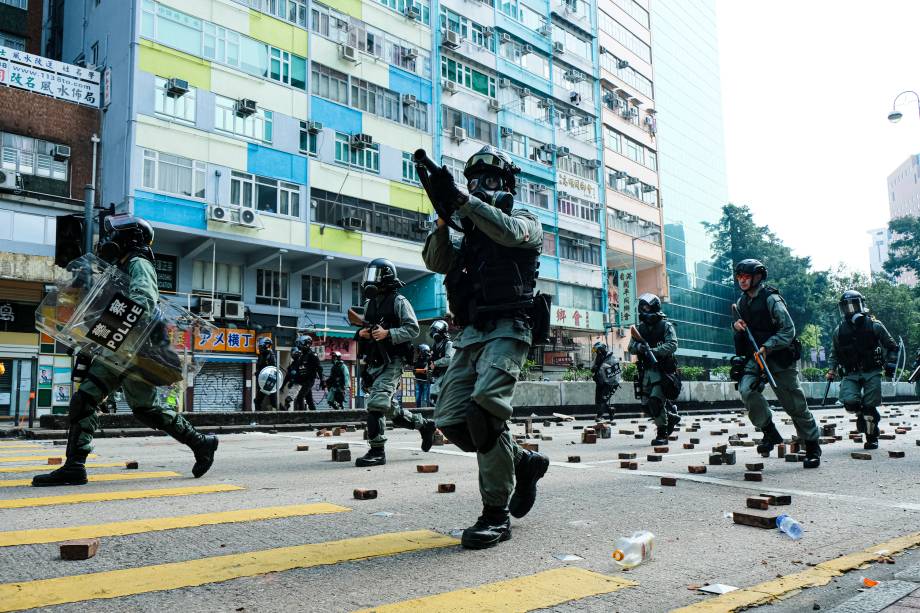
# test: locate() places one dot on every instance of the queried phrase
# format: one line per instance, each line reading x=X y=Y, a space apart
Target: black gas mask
x=490 y=188
x=649 y=317
x=124 y=235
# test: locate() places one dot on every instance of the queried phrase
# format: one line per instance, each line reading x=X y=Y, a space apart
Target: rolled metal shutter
x=219 y=387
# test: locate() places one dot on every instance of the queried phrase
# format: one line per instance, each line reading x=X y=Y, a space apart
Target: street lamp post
x=895 y=115
x=636 y=238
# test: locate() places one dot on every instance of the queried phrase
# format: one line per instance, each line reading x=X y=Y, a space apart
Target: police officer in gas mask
x=126 y=244
x=607 y=375
x=442 y=352
x=861 y=347
x=490 y=279
x=385 y=345
x=266 y=358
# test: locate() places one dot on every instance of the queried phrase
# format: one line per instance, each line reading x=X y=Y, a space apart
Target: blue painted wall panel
x=427 y=296
x=277 y=164
x=171 y=210
x=408 y=83
x=335 y=116
x=549 y=267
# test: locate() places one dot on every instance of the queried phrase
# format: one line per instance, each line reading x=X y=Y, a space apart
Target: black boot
x=528 y=471
x=871 y=421
x=661 y=438
x=204 y=449
x=492 y=527
x=73 y=472
x=427 y=431
x=375 y=456
x=673 y=418
x=771 y=438
x=812 y=454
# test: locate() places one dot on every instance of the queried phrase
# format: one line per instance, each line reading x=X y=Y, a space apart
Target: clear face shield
x=851 y=307
x=373 y=275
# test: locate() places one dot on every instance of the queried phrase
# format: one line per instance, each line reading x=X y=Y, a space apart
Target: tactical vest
x=385 y=314
x=857 y=346
x=654 y=334
x=336 y=375
x=493 y=281
x=756 y=314
x=438 y=351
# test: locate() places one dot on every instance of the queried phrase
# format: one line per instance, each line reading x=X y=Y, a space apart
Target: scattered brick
x=756 y=502
x=652 y=457
x=896 y=454
x=55 y=461
x=643 y=428
x=337 y=446
x=753 y=476
x=626 y=455
x=303 y=448
x=715 y=459
x=729 y=458
x=754 y=466
x=886 y=437
x=447 y=488
x=689 y=445
x=589 y=437
x=349 y=428
x=778 y=500
x=669 y=481
x=341 y=455
x=438 y=438
x=629 y=465
x=858 y=455
x=79 y=549
x=794 y=447
x=792 y=457
x=720 y=449
x=696 y=470
x=695 y=441
x=660 y=449
x=131 y=465
x=427 y=468
x=716 y=433
x=673 y=437
x=627 y=432
x=767 y=522
x=545 y=438
x=362 y=494
x=577 y=427
x=59 y=443
x=574 y=459
x=338 y=431
x=781 y=450
x=638 y=436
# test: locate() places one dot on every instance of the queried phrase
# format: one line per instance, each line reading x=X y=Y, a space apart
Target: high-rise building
x=904 y=200
x=878 y=252
x=692 y=174
x=269 y=142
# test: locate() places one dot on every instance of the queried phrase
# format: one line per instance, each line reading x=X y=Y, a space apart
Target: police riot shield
x=91 y=311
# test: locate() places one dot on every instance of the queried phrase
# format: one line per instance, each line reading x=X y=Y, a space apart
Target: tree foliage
x=904 y=250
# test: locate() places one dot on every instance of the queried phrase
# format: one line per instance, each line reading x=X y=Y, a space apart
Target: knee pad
x=459 y=435
x=484 y=428
x=871 y=418
x=655 y=406
x=852 y=407
x=373 y=424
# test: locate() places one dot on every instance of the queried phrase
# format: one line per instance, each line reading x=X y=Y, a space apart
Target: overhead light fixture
x=895 y=116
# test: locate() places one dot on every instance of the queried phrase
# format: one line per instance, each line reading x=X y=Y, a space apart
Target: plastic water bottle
x=631 y=551
x=789 y=526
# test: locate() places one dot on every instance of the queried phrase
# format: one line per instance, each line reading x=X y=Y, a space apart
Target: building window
x=534 y=194
x=12 y=42
x=329 y=83
x=577 y=166
x=409 y=173
x=364 y=158
x=308 y=139
x=174 y=174
x=400 y=6
x=31 y=156
x=268 y=195
x=221 y=44
x=257 y=126
x=579 y=250
x=242 y=189
x=320 y=292
x=357 y=296
x=271 y=287
x=416 y=115
x=623 y=36
x=576 y=207
x=294 y=11
x=20 y=4
x=228 y=278
x=476 y=128
x=549 y=243
x=179 y=107
x=332 y=209
x=374 y=99
x=468 y=77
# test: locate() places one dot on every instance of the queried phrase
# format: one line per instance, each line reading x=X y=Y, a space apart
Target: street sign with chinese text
x=573 y=317
x=49 y=77
x=226 y=339
x=626 y=291
x=577 y=186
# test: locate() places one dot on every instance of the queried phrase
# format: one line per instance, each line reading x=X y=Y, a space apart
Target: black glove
x=642 y=348
x=889 y=370
x=445 y=188
x=81 y=366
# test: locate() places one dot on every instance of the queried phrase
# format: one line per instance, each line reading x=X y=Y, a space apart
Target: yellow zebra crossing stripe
x=538 y=591
x=122 y=528
x=126 y=476
x=35 y=458
x=45 y=501
x=176 y=575
x=22 y=448
x=39 y=468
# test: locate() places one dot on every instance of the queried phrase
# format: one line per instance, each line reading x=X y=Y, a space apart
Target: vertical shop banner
x=166 y=267
x=626 y=290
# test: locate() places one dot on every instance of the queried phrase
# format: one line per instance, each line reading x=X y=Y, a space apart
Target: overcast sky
x=806 y=87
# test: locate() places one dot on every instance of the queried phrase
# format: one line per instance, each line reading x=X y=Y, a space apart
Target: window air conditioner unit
x=249 y=218
x=410 y=100
x=494 y=104
x=528 y=49
x=458 y=134
x=586 y=121
x=620 y=174
x=450 y=39
x=348 y=53
x=621 y=333
x=176 y=88
x=361 y=141
x=504 y=38
x=61 y=152
x=523 y=92
x=561 y=152
x=504 y=82
x=558 y=47
x=209 y=308
x=219 y=213
x=351 y=223
x=449 y=86
x=410 y=54
x=488 y=32
x=314 y=127
x=545 y=30
x=506 y=131
x=549 y=148
x=621 y=215
x=234 y=309
x=575 y=98
x=10 y=181
x=413 y=12
x=647 y=189
x=593 y=164
x=544 y=103
x=631 y=180
x=245 y=107
x=601 y=49
x=621 y=64
x=624 y=112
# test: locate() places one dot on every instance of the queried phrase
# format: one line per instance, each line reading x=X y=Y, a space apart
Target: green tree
x=904 y=250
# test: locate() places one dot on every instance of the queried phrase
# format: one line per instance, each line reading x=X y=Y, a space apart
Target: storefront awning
x=217 y=357
x=333 y=333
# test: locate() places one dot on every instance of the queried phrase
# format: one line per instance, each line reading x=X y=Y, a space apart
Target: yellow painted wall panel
x=399 y=251
x=225 y=13
x=349 y=7
x=277 y=33
x=277 y=230
x=233 y=84
x=394 y=134
x=335 y=239
x=19 y=338
x=191 y=143
x=397 y=25
x=409 y=198
x=165 y=62
x=368 y=67
x=357 y=184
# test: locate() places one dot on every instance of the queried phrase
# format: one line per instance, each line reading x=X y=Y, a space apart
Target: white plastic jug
x=633 y=550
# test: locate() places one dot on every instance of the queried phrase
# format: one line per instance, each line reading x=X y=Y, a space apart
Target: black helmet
x=649 y=307
x=751 y=267
x=492 y=162
x=123 y=235
x=852 y=303
x=303 y=341
x=336 y=356
x=265 y=343
x=380 y=274
x=600 y=348
x=437 y=329
x=423 y=348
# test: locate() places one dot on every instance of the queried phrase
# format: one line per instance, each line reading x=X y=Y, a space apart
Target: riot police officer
x=490 y=280
x=917 y=380
x=266 y=358
x=304 y=370
x=861 y=347
x=654 y=341
x=337 y=382
x=441 y=354
x=607 y=375
x=763 y=312
x=422 y=373
x=385 y=345
x=126 y=243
